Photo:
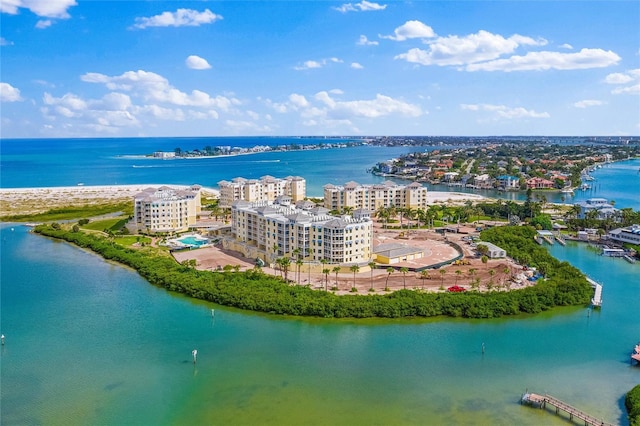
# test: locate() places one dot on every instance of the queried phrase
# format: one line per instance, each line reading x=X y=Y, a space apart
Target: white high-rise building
x=372 y=197
x=267 y=188
x=269 y=230
x=166 y=209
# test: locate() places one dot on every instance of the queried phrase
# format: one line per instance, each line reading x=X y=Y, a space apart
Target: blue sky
x=74 y=68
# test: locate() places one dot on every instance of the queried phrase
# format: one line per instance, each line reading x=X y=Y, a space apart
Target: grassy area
x=129 y=240
x=113 y=224
x=72 y=212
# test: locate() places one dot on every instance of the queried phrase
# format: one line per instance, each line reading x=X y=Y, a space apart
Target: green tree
x=355 y=269
x=390 y=271
x=404 y=271
x=326 y=272
x=336 y=270
x=372 y=266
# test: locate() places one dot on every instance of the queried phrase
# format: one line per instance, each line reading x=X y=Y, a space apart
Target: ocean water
x=90 y=342
x=69 y=162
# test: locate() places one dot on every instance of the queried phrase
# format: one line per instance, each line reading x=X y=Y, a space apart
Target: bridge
x=542 y=401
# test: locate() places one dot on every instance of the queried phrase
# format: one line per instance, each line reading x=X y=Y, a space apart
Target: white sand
x=33 y=200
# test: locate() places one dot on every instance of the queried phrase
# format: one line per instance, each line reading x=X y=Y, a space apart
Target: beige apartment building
x=267 y=188
x=269 y=230
x=166 y=209
x=372 y=197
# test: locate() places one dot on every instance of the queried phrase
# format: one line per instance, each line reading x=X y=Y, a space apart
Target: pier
x=542 y=401
x=596 y=300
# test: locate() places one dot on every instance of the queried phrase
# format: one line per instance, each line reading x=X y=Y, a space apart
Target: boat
x=629 y=258
x=636 y=353
x=567 y=190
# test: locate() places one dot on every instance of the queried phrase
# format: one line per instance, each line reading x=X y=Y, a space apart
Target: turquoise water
x=193 y=241
x=90 y=342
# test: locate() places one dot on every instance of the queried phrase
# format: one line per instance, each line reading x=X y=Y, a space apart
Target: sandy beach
x=37 y=200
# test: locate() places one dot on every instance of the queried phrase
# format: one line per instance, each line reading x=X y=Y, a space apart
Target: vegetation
x=632 y=402
x=72 y=212
x=253 y=290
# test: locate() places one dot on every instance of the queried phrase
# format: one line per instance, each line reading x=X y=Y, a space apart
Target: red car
x=456 y=289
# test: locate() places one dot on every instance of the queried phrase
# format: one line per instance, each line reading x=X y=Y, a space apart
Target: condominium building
x=166 y=209
x=352 y=195
x=267 y=188
x=269 y=230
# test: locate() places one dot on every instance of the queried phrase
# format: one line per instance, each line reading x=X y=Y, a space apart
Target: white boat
x=567 y=190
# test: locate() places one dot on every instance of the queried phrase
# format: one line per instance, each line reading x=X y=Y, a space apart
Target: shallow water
x=90 y=342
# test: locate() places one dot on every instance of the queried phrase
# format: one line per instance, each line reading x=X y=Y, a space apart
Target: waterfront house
x=601 y=205
x=508 y=182
x=539 y=183
x=629 y=234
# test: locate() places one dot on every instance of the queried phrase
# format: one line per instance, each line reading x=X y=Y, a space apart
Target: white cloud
x=566 y=46
x=411 y=29
x=307 y=65
x=455 y=50
x=356 y=66
x=197 y=63
x=298 y=100
x=44 y=23
x=364 y=41
x=502 y=111
x=5 y=42
x=587 y=103
x=179 y=18
x=380 y=106
x=8 y=93
x=43 y=8
x=630 y=90
x=618 y=78
x=154 y=87
x=536 y=61
x=69 y=101
x=363 y=6
x=631 y=76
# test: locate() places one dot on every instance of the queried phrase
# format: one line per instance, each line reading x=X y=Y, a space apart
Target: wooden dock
x=596 y=300
x=542 y=401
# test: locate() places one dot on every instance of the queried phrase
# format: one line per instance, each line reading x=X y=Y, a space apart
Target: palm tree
x=442 y=272
x=390 y=271
x=308 y=251
x=471 y=273
x=372 y=265
x=285 y=263
x=336 y=269
x=275 y=252
x=355 y=269
x=424 y=275
x=404 y=271
x=492 y=272
x=326 y=271
x=458 y=273
x=299 y=264
x=296 y=255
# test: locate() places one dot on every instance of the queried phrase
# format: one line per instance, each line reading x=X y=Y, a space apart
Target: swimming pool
x=193 y=241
